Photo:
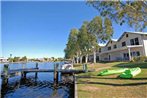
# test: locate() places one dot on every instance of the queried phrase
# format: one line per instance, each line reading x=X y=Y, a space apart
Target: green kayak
x=130 y=73
x=110 y=72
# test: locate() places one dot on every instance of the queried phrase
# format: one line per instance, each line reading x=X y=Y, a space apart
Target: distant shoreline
x=27 y=62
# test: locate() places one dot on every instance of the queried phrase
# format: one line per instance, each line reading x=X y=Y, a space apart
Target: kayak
x=110 y=72
x=130 y=73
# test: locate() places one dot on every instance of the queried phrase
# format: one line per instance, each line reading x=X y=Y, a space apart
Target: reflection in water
x=33 y=88
x=40 y=86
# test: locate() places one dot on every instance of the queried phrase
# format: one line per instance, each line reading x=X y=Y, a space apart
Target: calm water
x=40 y=87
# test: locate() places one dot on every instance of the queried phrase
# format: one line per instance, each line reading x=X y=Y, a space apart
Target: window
x=109 y=48
x=127 y=35
x=123 y=44
x=114 y=46
x=134 y=41
x=126 y=56
x=138 y=53
x=99 y=50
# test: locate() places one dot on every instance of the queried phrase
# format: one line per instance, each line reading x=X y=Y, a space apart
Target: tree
x=132 y=12
x=16 y=59
x=52 y=58
x=71 y=46
x=100 y=30
x=45 y=59
x=23 y=59
x=94 y=45
x=86 y=41
x=10 y=59
x=83 y=41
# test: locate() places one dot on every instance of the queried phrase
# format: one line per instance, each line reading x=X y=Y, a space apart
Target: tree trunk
x=73 y=60
x=81 y=59
x=77 y=59
x=86 y=58
x=94 y=57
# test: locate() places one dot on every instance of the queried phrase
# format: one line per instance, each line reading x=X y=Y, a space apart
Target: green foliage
x=10 y=59
x=72 y=45
x=83 y=38
x=140 y=59
x=16 y=59
x=46 y=59
x=102 y=30
x=23 y=59
x=132 y=12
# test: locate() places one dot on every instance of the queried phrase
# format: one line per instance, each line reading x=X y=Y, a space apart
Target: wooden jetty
x=8 y=73
x=29 y=70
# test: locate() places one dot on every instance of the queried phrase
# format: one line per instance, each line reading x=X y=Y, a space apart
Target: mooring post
x=5 y=78
x=55 y=74
x=57 y=65
x=36 y=73
x=23 y=74
x=36 y=65
x=5 y=70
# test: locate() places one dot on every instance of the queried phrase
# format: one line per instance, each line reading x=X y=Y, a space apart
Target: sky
x=41 y=29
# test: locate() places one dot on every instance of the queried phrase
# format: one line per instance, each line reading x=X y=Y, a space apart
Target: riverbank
x=92 y=86
x=27 y=62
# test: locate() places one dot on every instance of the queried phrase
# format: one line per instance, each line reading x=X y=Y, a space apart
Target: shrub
x=140 y=59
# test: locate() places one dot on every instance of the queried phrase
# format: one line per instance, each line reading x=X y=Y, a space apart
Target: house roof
x=102 y=44
x=116 y=40
x=141 y=33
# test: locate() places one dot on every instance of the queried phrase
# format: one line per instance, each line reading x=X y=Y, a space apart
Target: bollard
x=85 y=68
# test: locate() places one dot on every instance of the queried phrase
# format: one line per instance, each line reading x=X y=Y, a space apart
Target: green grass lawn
x=92 y=86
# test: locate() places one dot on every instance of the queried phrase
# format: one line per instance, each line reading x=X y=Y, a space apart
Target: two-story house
x=129 y=45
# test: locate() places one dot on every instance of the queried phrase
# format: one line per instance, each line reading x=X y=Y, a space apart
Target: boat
x=130 y=73
x=67 y=66
x=111 y=72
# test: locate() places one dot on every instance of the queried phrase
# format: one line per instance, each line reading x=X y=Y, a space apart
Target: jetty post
x=56 y=74
x=36 y=73
x=5 y=77
x=23 y=74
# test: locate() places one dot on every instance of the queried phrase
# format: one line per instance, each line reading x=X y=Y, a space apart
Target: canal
x=37 y=87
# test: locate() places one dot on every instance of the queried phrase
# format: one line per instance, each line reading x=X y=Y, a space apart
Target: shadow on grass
x=88 y=77
x=132 y=65
x=105 y=62
x=113 y=84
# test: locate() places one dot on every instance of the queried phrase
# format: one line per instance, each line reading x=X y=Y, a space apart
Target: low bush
x=139 y=59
